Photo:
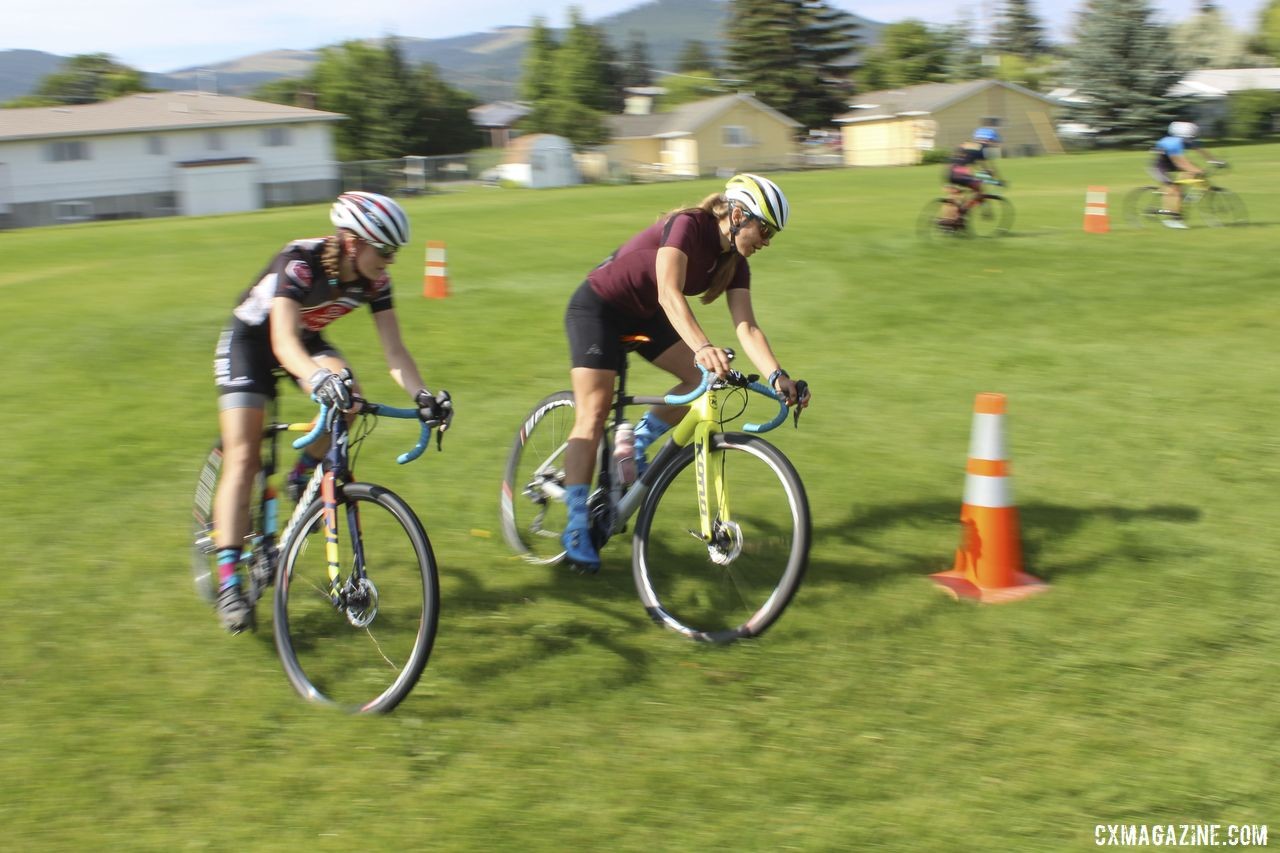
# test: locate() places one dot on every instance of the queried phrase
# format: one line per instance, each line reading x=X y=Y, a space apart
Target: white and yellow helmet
x=761 y=198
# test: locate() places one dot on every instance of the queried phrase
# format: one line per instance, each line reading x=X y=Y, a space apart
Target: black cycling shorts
x=596 y=328
x=245 y=368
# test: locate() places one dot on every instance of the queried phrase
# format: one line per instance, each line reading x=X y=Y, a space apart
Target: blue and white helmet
x=986 y=134
x=1184 y=130
x=373 y=218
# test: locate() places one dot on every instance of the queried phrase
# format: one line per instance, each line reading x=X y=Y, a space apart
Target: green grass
x=1141 y=371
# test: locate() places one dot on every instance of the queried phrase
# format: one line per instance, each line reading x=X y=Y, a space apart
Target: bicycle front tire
x=1222 y=207
x=739 y=584
x=363 y=657
x=992 y=218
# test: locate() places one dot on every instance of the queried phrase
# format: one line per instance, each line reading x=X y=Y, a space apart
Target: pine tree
x=538 y=79
x=1123 y=63
x=85 y=79
x=695 y=57
x=1207 y=40
x=637 y=69
x=1018 y=30
x=585 y=68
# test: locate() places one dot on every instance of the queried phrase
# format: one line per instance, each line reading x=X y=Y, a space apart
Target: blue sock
x=575 y=497
x=649 y=430
x=228 y=559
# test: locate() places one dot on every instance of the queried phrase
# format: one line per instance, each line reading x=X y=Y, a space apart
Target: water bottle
x=624 y=451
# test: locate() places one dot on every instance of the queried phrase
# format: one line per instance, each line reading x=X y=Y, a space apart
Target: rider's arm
x=404 y=370
x=671 y=266
x=286 y=319
x=754 y=342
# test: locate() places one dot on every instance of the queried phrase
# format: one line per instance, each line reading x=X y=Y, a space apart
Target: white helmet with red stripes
x=373 y=218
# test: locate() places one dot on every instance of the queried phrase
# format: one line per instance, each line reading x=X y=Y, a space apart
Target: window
x=213 y=140
x=72 y=211
x=276 y=137
x=155 y=144
x=736 y=136
x=61 y=152
x=990 y=121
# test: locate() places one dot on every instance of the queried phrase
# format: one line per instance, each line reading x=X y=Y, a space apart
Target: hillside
x=486 y=64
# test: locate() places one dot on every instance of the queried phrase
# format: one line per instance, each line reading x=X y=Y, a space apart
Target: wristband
x=773 y=377
x=701 y=348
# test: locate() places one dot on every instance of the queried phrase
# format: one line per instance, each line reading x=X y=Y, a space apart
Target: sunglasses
x=383 y=251
x=767 y=230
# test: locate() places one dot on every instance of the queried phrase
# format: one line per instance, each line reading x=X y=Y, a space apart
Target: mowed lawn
x=1142 y=380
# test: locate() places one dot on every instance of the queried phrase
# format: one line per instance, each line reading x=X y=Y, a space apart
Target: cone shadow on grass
x=869 y=538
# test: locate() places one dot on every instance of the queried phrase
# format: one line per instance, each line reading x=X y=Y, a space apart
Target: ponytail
x=727 y=264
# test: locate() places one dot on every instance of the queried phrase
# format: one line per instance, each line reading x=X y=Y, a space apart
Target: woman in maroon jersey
x=643 y=289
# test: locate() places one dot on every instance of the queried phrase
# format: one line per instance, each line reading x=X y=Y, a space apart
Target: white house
x=159 y=154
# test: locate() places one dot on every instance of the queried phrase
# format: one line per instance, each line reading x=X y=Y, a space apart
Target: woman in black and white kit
x=642 y=288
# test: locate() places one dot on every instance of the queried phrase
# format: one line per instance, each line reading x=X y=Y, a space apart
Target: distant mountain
x=488 y=64
x=22 y=70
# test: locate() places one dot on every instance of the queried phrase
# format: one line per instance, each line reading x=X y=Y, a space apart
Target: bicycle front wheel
x=1221 y=206
x=738 y=584
x=533 y=507
x=360 y=643
x=992 y=218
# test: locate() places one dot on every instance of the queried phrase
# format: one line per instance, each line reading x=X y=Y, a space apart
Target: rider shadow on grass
x=870 y=537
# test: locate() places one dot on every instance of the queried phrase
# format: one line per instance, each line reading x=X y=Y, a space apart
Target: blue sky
x=182 y=33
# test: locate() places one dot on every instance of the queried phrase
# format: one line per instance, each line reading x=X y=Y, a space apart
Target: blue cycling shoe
x=579 y=550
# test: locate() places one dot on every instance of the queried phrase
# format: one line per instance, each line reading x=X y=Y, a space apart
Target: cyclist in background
x=277 y=323
x=643 y=288
x=1171 y=161
x=963 y=173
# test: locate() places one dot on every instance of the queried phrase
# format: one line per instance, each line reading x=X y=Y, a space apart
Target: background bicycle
x=1203 y=202
x=722 y=527
x=977 y=214
x=356 y=599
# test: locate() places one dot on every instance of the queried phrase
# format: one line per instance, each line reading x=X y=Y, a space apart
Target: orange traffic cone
x=988 y=563
x=435 y=280
x=1095 y=211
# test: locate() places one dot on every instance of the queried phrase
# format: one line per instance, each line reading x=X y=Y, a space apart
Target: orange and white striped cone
x=435 y=279
x=988 y=564
x=1095 y=211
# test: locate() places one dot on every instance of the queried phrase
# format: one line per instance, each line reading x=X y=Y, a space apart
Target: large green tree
x=793 y=54
x=1018 y=31
x=909 y=52
x=84 y=79
x=1123 y=64
x=1268 y=38
x=695 y=57
x=573 y=84
x=637 y=67
x=537 y=80
x=1207 y=40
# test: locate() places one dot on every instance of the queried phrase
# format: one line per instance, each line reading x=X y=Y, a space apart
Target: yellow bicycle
x=722 y=528
x=1203 y=201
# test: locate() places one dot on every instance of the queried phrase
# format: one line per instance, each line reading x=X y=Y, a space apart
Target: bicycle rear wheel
x=992 y=218
x=740 y=583
x=1222 y=207
x=365 y=652
x=929 y=225
x=1142 y=206
x=532 y=502
x=204 y=550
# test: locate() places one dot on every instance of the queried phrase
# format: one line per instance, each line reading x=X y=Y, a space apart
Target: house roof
x=150 y=112
x=923 y=99
x=1219 y=82
x=686 y=119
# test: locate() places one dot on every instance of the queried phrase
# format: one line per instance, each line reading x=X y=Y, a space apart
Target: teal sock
x=228 y=560
x=649 y=430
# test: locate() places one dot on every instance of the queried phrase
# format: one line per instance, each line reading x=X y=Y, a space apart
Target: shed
x=540 y=160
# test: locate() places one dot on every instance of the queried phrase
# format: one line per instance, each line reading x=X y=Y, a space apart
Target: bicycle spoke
x=533 y=509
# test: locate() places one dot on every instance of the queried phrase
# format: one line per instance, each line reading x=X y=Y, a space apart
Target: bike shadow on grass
x=869 y=535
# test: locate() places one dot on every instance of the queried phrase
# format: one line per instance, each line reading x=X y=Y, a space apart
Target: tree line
x=804 y=58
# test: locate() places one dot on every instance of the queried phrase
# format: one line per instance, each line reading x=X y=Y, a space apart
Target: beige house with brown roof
x=730 y=133
x=895 y=127
x=161 y=153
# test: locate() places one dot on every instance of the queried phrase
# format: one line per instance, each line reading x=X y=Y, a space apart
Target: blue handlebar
x=708 y=377
x=424 y=439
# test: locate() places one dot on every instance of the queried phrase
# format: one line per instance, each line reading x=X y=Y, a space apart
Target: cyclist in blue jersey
x=1171 y=161
x=964 y=172
x=277 y=325
x=643 y=288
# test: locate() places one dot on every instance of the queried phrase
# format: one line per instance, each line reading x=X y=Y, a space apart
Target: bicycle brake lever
x=802 y=394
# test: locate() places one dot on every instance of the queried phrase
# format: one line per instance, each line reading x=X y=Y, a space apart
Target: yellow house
x=896 y=126
x=730 y=133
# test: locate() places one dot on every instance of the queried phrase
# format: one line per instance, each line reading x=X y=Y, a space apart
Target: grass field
x=1141 y=370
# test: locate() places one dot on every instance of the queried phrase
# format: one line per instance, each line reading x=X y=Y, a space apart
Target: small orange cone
x=1095 y=211
x=988 y=563
x=435 y=280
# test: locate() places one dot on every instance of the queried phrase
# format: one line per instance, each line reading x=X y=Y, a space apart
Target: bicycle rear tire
x=329 y=656
x=929 y=225
x=1142 y=206
x=204 y=550
x=737 y=586
x=533 y=514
